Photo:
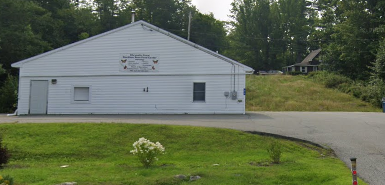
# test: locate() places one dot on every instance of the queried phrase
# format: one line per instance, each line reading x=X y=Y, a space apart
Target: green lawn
x=99 y=154
x=297 y=93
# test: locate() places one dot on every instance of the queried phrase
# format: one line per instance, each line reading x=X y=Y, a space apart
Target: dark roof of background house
x=311 y=56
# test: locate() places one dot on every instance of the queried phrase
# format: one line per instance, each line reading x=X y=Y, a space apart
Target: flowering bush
x=7 y=180
x=147 y=151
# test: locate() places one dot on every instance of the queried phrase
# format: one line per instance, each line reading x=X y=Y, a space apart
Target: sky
x=220 y=8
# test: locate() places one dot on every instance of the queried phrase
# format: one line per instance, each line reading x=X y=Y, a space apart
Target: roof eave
x=143 y=23
x=197 y=46
x=20 y=63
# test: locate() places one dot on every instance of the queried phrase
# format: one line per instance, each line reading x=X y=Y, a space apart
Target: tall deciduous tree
x=378 y=68
x=164 y=14
x=269 y=34
x=350 y=34
x=173 y=16
x=108 y=12
x=208 y=32
x=2 y=71
x=18 y=39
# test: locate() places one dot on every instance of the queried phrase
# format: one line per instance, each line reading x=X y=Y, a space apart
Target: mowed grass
x=296 y=93
x=99 y=154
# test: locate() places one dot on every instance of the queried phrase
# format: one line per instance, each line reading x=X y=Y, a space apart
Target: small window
x=199 y=92
x=82 y=94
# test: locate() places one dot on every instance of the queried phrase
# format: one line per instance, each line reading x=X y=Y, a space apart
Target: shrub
x=4 y=154
x=374 y=92
x=335 y=80
x=2 y=71
x=371 y=92
x=312 y=74
x=8 y=94
x=329 y=79
x=275 y=151
x=294 y=73
x=345 y=87
x=147 y=151
x=356 y=89
x=6 y=180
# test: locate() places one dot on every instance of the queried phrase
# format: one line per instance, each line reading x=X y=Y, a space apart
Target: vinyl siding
x=124 y=95
x=95 y=64
x=101 y=56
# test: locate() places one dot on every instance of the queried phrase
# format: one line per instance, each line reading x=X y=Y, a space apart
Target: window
x=304 y=69
x=81 y=94
x=199 y=92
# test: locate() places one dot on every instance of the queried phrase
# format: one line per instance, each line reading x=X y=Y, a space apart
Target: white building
x=136 y=69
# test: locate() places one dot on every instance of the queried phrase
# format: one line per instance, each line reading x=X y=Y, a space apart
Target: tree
x=2 y=71
x=18 y=39
x=378 y=68
x=208 y=32
x=108 y=12
x=8 y=94
x=173 y=16
x=350 y=36
x=164 y=14
x=269 y=34
x=251 y=32
x=296 y=20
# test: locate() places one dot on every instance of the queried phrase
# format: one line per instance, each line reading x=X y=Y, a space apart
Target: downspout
x=14 y=114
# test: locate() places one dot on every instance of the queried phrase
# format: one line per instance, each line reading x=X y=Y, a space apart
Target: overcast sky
x=220 y=8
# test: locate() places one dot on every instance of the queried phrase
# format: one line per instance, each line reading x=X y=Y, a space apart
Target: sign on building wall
x=139 y=63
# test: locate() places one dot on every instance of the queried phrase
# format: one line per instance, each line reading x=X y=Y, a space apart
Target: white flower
x=147 y=150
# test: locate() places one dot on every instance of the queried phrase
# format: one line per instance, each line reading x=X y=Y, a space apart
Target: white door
x=39 y=97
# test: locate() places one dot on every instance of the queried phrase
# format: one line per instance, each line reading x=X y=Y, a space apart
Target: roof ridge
x=143 y=23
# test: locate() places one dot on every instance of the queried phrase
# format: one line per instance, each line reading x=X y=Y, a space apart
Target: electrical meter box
x=234 y=95
x=227 y=94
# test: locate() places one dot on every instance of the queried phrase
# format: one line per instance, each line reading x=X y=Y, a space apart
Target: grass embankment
x=99 y=154
x=297 y=93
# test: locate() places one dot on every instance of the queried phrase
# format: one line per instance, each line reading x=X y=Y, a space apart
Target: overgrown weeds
x=303 y=93
x=371 y=92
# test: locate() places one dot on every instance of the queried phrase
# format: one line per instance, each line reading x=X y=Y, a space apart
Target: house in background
x=135 y=69
x=309 y=64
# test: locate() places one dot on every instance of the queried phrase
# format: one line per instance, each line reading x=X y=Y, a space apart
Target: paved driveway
x=360 y=135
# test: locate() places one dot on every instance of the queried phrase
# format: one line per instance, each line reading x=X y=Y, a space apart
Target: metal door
x=38 y=97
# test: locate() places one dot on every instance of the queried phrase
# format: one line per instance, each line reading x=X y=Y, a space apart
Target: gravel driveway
x=360 y=135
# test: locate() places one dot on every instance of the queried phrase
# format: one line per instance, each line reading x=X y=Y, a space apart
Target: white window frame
x=79 y=101
x=315 y=68
x=198 y=101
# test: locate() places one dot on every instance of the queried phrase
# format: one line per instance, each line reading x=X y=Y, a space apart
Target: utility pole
x=189 y=25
